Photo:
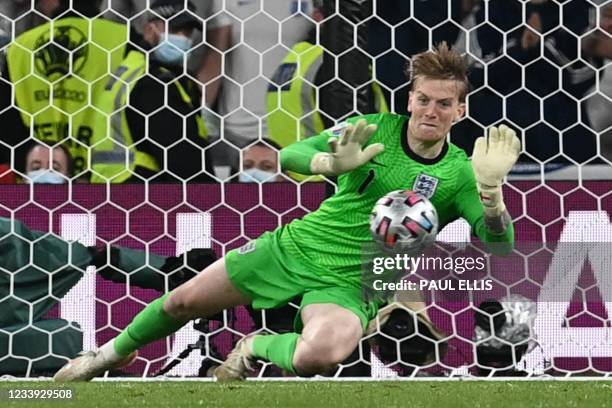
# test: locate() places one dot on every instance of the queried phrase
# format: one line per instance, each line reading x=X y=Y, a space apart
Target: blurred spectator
x=24 y=15
x=260 y=163
x=293 y=98
x=500 y=45
x=124 y=8
x=18 y=12
x=55 y=75
x=598 y=45
x=207 y=64
x=47 y=165
x=345 y=70
x=160 y=135
x=483 y=41
x=559 y=76
x=259 y=36
x=5 y=39
x=204 y=59
x=519 y=68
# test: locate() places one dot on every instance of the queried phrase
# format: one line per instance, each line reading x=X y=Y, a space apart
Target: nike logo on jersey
x=377 y=163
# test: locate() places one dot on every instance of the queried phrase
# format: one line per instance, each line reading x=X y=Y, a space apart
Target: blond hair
x=441 y=63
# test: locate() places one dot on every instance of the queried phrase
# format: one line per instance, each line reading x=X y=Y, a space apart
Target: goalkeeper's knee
x=321 y=350
x=179 y=307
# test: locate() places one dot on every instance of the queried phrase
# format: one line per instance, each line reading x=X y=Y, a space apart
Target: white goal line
x=567 y=378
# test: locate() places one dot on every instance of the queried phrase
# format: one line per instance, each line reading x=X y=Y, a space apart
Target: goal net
x=537 y=66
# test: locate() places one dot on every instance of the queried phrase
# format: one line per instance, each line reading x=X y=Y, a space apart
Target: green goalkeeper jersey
x=331 y=239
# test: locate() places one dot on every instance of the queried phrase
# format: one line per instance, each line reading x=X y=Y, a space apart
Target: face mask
x=172 y=48
x=254 y=175
x=44 y=176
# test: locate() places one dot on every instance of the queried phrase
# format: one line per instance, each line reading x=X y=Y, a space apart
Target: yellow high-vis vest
x=292 y=103
x=114 y=157
x=57 y=70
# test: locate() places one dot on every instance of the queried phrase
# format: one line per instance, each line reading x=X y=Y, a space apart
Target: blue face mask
x=44 y=176
x=254 y=175
x=171 y=49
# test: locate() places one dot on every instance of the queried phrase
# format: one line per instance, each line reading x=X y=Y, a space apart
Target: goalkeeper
x=319 y=257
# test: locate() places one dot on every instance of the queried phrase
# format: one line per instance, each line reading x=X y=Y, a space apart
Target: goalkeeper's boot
x=238 y=363
x=89 y=365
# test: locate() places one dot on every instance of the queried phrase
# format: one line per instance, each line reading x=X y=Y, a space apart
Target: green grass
x=473 y=394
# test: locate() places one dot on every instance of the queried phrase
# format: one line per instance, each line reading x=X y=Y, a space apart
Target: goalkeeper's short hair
x=442 y=63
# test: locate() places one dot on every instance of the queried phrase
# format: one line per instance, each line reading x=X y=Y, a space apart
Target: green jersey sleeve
x=297 y=156
x=470 y=208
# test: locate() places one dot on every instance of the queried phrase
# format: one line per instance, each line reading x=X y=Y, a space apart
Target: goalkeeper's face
x=434 y=107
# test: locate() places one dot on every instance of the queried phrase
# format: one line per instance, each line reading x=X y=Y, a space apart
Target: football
x=404 y=221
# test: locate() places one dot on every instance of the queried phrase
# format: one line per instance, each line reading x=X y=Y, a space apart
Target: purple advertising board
x=145 y=218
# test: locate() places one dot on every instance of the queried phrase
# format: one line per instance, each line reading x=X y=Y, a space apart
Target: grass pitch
x=413 y=394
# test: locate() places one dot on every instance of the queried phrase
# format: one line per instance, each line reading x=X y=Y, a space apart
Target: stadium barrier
x=573 y=335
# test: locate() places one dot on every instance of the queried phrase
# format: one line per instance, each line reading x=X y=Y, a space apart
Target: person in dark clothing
x=159 y=126
x=557 y=73
x=518 y=67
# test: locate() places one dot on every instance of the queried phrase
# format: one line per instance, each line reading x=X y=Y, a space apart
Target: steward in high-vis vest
x=153 y=128
x=292 y=102
x=57 y=69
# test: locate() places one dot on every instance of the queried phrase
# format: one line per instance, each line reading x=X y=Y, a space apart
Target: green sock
x=277 y=348
x=151 y=324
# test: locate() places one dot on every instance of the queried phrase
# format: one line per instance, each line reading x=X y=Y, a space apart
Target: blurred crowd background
x=170 y=91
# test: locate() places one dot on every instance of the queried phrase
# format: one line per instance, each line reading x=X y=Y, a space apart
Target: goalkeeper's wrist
x=496 y=216
x=492 y=199
x=321 y=163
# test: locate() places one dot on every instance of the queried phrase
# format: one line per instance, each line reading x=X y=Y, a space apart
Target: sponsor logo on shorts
x=248 y=247
x=425 y=185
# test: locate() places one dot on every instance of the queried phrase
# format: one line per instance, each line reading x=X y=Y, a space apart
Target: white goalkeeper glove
x=347 y=152
x=492 y=160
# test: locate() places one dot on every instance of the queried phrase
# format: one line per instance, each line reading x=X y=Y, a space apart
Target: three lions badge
x=425 y=185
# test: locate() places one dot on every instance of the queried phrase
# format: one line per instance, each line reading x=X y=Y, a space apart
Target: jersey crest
x=425 y=185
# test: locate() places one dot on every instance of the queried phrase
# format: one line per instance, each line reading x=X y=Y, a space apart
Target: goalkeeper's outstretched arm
x=481 y=200
x=330 y=155
x=492 y=161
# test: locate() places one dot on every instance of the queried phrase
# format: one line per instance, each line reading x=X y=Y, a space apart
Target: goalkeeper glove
x=492 y=160
x=347 y=153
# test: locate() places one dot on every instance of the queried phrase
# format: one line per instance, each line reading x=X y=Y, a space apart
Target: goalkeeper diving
x=319 y=257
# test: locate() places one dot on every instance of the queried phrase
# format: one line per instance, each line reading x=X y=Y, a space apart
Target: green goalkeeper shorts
x=268 y=275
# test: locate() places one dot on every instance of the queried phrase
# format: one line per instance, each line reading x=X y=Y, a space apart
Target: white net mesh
x=540 y=66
